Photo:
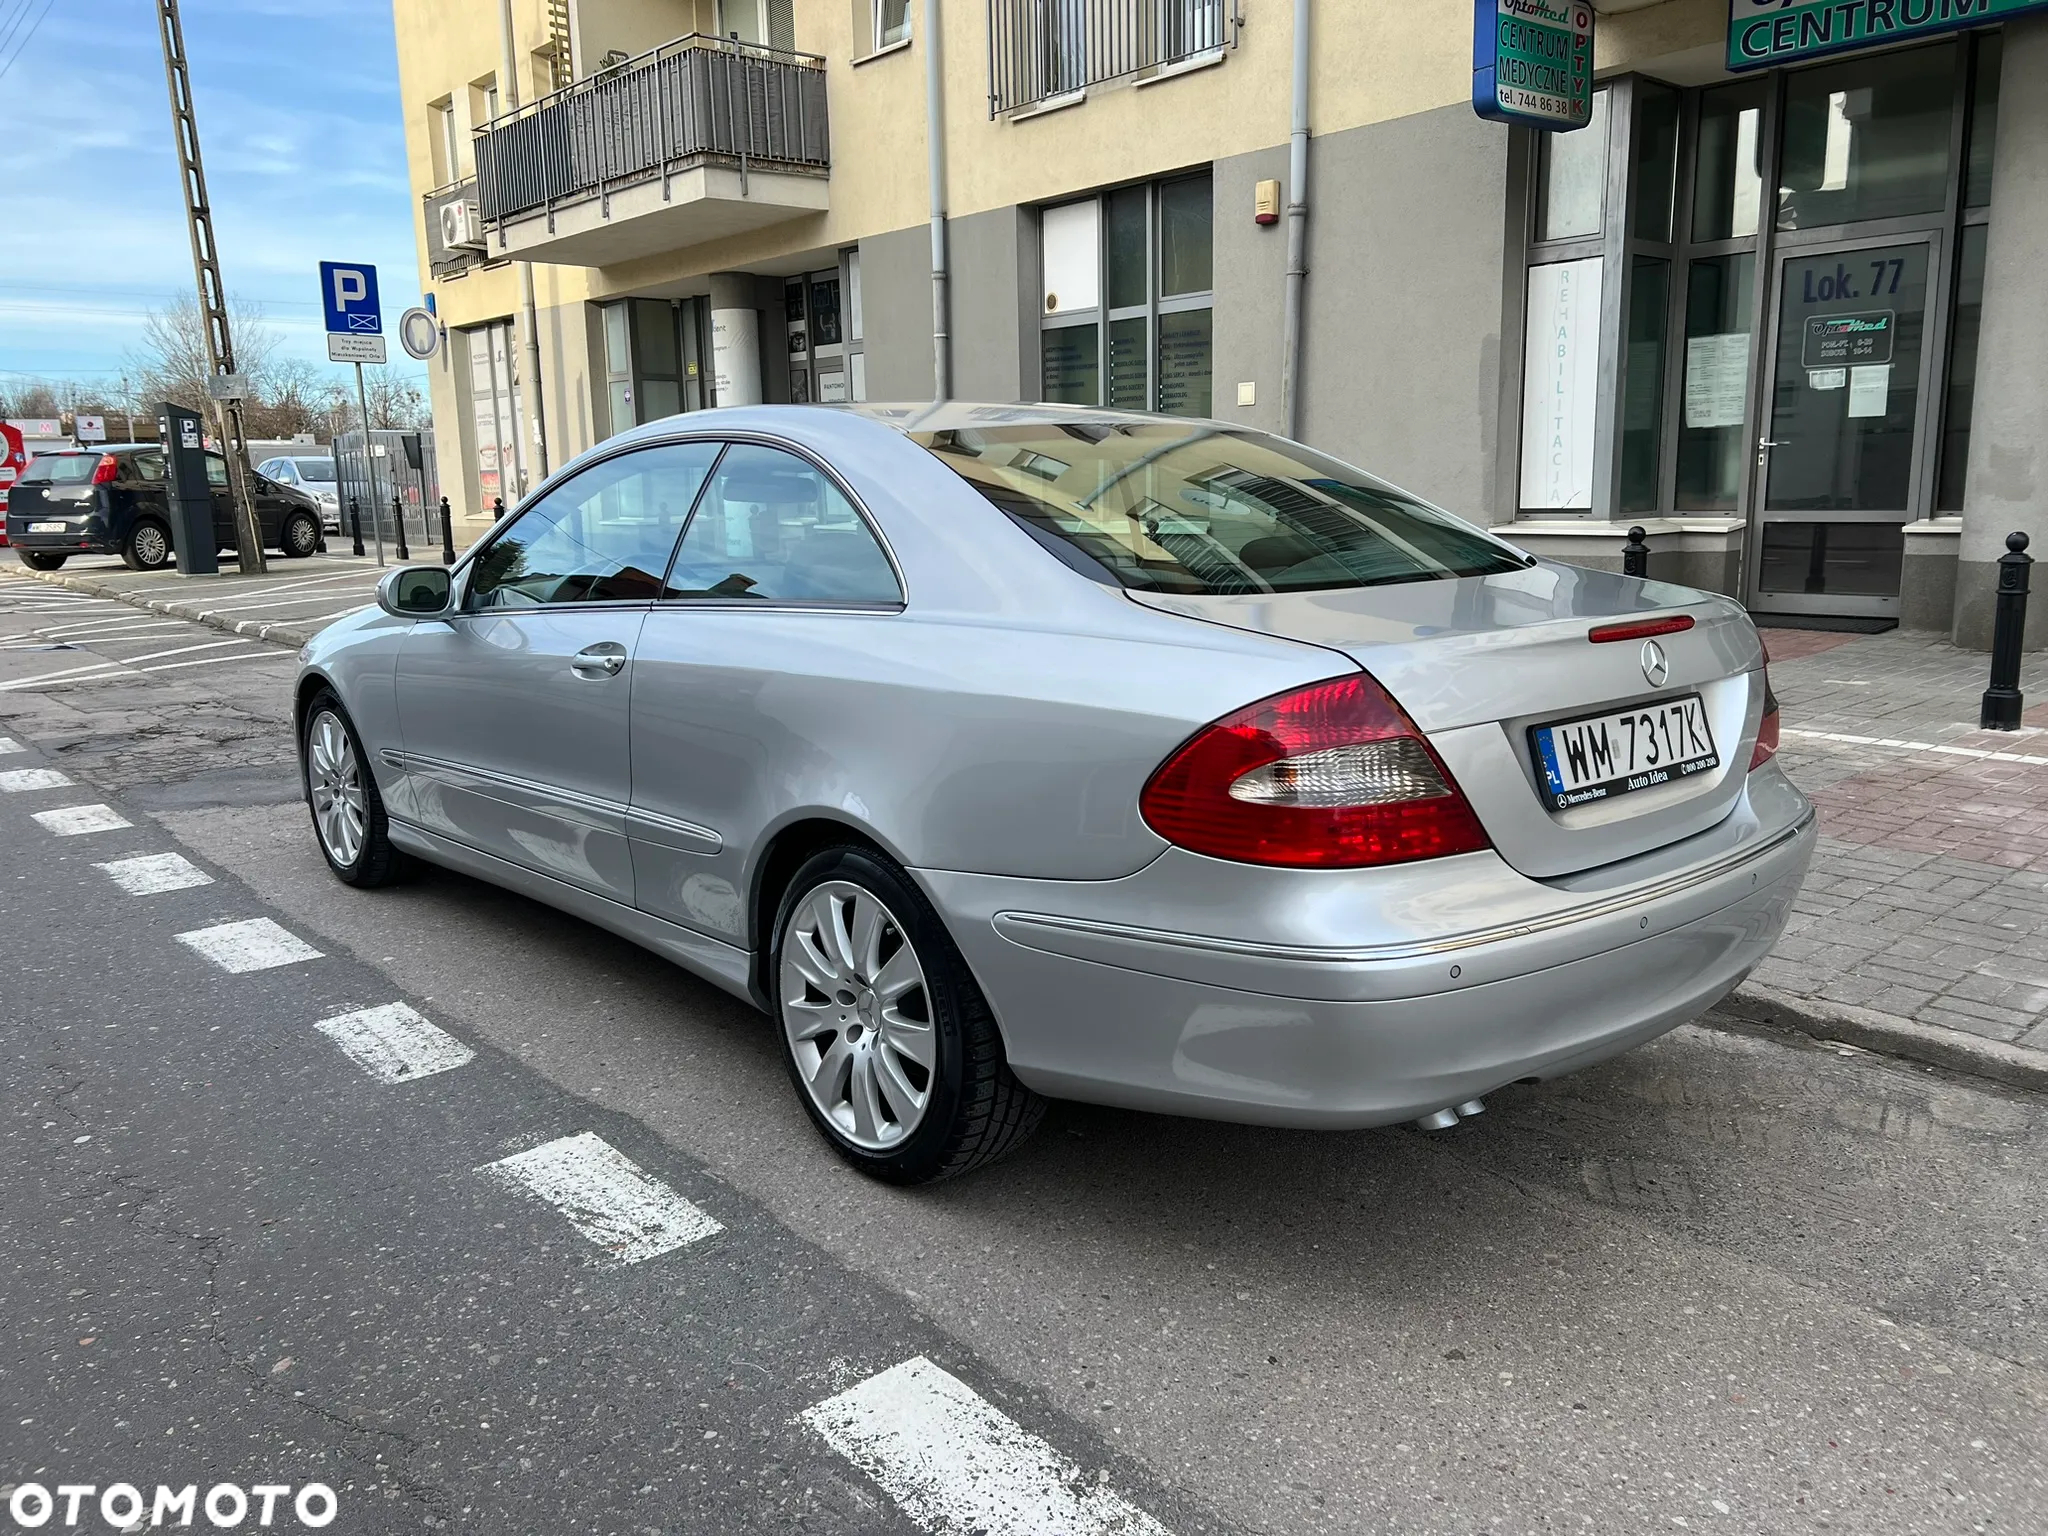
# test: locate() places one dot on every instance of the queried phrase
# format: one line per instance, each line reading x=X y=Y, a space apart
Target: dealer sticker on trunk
x=1602 y=756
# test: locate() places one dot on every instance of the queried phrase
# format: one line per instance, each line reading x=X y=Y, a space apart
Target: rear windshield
x=60 y=469
x=316 y=469
x=1201 y=509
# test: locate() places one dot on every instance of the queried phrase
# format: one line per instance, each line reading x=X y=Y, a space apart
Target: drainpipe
x=529 y=317
x=1297 y=230
x=935 y=140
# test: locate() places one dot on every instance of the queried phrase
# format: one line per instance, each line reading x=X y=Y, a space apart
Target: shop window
x=1127 y=300
x=1960 y=388
x=1560 y=385
x=1713 y=453
x=653 y=351
x=1574 y=179
x=1983 y=124
x=1642 y=398
x=1655 y=153
x=1867 y=139
x=497 y=413
x=1727 y=187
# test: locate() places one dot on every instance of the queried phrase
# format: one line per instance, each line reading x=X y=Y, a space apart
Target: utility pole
x=213 y=303
x=128 y=407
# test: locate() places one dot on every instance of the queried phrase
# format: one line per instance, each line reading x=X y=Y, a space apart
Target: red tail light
x=1767 y=731
x=1331 y=776
x=1639 y=629
x=107 y=471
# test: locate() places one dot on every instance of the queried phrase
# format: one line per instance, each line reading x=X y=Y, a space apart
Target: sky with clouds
x=299 y=123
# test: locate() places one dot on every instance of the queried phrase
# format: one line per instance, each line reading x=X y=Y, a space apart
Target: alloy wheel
x=858 y=1015
x=335 y=780
x=151 y=548
x=304 y=534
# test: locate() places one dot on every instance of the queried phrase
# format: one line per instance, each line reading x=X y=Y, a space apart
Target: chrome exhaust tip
x=1437 y=1120
x=1470 y=1108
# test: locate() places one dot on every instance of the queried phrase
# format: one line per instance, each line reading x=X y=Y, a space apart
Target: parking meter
x=189 y=499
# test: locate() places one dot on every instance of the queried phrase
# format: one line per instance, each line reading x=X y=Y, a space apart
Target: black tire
x=41 y=559
x=976 y=1111
x=147 y=547
x=300 y=535
x=375 y=861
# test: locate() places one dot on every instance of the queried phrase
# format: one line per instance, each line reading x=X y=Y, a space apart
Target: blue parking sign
x=348 y=292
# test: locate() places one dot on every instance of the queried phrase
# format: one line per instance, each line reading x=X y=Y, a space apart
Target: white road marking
x=273 y=654
x=128 y=663
x=75 y=820
x=1916 y=746
x=9 y=744
x=394 y=1044
x=32 y=778
x=255 y=944
x=955 y=1463
x=151 y=873
x=106 y=625
x=607 y=1197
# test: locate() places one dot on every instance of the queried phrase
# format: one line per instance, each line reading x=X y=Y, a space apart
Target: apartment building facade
x=1784 y=315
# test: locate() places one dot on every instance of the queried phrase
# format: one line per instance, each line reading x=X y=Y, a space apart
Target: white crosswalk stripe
x=955 y=1463
x=606 y=1196
x=151 y=874
x=255 y=944
x=77 y=820
x=394 y=1044
x=9 y=744
x=32 y=778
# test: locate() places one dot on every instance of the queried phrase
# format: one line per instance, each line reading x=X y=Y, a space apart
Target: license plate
x=45 y=527
x=1601 y=756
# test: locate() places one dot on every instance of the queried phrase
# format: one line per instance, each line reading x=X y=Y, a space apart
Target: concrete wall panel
x=896 y=312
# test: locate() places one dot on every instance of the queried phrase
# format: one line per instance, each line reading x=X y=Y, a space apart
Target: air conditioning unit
x=462 y=225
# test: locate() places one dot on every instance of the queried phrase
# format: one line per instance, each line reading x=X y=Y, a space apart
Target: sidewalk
x=1923 y=927
x=287 y=605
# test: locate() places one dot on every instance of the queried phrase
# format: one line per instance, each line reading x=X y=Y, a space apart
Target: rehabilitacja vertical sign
x=1532 y=62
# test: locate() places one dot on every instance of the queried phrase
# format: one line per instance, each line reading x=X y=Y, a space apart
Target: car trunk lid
x=1481 y=662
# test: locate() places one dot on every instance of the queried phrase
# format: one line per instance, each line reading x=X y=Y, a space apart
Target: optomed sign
x=1532 y=62
x=1762 y=33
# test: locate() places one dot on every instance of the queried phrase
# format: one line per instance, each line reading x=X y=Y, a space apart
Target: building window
x=764 y=23
x=1128 y=298
x=497 y=413
x=890 y=21
x=444 y=143
x=654 y=359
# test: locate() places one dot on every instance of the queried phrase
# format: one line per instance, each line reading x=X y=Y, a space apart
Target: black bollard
x=447 y=535
x=497 y=508
x=398 y=517
x=2003 y=700
x=355 y=524
x=1635 y=554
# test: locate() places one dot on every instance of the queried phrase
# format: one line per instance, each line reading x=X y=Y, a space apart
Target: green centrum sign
x=1532 y=62
x=1762 y=33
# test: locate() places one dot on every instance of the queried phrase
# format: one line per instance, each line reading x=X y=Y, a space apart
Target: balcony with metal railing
x=698 y=139
x=1041 y=51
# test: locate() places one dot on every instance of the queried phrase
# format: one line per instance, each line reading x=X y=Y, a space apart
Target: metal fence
x=1039 y=49
x=418 y=490
x=693 y=98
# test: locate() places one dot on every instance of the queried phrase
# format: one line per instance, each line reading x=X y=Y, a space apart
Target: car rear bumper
x=1470 y=978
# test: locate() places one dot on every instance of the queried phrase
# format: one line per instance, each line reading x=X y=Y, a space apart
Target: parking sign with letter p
x=348 y=294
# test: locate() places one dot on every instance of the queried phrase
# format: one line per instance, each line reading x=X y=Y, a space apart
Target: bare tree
x=170 y=363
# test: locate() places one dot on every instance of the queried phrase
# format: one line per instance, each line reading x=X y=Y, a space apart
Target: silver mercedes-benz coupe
x=1008 y=751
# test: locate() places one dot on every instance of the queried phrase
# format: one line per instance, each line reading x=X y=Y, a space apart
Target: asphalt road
x=1727 y=1282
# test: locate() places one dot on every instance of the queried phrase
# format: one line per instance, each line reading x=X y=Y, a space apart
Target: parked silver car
x=1007 y=751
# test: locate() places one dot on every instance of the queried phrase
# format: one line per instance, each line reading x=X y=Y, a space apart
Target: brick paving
x=1928 y=898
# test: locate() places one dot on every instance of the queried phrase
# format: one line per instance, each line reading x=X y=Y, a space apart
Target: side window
x=149 y=467
x=774 y=528
x=603 y=537
x=216 y=470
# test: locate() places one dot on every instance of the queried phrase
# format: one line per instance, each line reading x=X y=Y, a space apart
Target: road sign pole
x=370 y=463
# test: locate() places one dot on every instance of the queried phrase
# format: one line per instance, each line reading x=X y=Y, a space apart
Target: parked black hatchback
x=115 y=502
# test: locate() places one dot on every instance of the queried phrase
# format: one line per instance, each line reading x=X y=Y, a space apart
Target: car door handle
x=607 y=659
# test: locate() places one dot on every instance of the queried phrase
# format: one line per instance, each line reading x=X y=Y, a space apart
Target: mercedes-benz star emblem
x=1656 y=665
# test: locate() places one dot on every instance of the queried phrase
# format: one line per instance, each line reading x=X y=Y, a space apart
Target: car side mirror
x=415 y=592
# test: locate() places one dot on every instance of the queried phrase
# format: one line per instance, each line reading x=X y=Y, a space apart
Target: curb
x=281 y=633
x=1936 y=1045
